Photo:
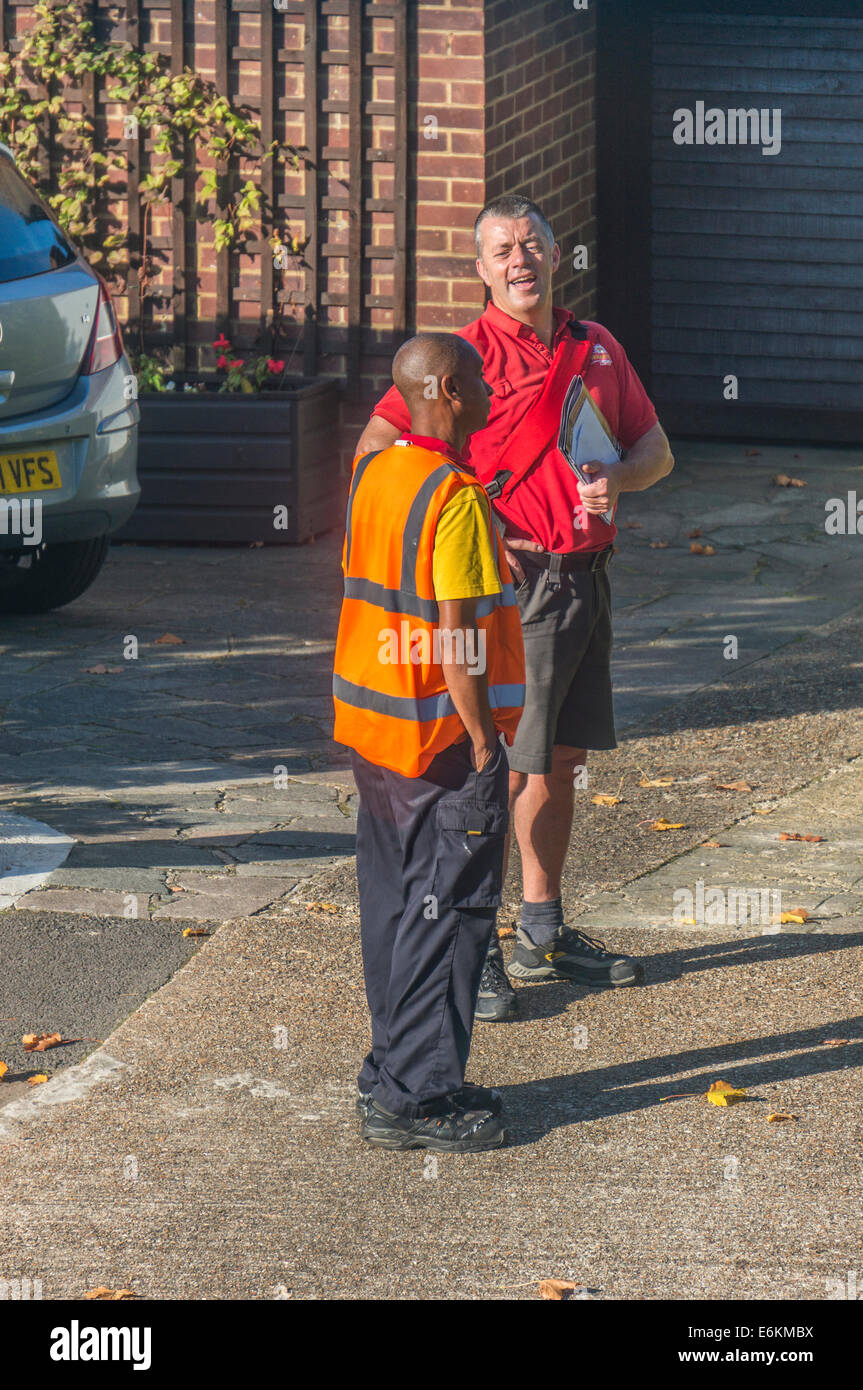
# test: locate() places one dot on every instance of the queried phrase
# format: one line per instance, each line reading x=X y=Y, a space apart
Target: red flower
x=275 y=367
x=236 y=364
x=222 y=343
x=222 y=362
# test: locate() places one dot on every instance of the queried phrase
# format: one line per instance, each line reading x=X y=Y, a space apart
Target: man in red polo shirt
x=558 y=547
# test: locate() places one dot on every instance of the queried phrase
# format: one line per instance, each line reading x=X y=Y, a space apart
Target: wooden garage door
x=757 y=260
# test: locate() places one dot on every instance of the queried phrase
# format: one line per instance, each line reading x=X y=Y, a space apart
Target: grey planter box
x=213 y=467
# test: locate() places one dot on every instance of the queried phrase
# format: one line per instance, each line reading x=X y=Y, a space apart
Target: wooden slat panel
x=754 y=256
x=310 y=90
x=223 y=285
x=355 y=191
x=133 y=206
x=268 y=173
x=709 y=246
x=179 y=202
x=400 y=174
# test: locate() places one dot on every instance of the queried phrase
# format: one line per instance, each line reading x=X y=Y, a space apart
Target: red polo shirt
x=545 y=506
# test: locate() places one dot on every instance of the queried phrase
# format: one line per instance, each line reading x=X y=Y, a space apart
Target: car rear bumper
x=94 y=434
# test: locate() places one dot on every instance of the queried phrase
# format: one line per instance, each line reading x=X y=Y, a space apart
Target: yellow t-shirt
x=464 y=564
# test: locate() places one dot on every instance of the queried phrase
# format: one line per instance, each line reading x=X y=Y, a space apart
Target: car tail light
x=106 y=343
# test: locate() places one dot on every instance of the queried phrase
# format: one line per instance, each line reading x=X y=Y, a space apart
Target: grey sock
x=542 y=921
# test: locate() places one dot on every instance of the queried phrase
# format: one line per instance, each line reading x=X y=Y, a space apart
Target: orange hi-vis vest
x=399 y=713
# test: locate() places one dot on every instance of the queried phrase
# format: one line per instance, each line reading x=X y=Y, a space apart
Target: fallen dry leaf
x=810 y=839
x=660 y=781
x=659 y=545
x=783 y=480
x=606 y=799
x=505 y=931
x=835 y=1042
x=558 y=1289
x=733 y=787
x=37 y=1042
x=168 y=639
x=666 y=825
x=195 y=931
x=633 y=525
x=795 y=914
x=698 y=549
x=3 y=1070
x=777 y=1115
x=713 y=844
x=764 y=810
x=322 y=907
x=104 y=1294
x=37 y=1080
x=101 y=670
x=721 y=1093
x=693 y=535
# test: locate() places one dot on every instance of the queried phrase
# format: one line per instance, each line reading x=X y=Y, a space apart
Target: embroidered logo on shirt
x=600 y=357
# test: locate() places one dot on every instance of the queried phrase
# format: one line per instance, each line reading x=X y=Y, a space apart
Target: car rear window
x=30 y=243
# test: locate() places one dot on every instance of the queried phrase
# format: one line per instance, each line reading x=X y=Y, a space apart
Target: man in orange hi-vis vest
x=429 y=681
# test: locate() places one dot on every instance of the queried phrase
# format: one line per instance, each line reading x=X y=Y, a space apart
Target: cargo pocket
x=470 y=855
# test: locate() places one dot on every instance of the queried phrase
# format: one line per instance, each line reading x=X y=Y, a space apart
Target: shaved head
x=429 y=357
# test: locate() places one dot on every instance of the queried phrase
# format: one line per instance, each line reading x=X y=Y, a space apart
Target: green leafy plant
x=184 y=115
x=151 y=373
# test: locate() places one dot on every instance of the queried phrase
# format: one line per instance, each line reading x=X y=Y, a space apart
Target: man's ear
x=450 y=389
x=481 y=272
x=555 y=257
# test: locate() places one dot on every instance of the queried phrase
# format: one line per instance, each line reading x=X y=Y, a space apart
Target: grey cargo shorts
x=567 y=647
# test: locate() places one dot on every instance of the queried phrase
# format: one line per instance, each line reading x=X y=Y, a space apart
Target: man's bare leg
x=541 y=807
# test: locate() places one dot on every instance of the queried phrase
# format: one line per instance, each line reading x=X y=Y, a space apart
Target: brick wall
x=504 y=103
x=446 y=185
x=540 y=65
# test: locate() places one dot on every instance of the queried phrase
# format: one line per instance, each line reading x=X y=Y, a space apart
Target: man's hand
x=601 y=493
x=482 y=752
x=513 y=543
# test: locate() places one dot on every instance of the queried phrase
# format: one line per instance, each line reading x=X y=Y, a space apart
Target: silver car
x=68 y=409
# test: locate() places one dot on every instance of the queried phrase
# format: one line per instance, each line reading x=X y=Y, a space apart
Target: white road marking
x=29 y=852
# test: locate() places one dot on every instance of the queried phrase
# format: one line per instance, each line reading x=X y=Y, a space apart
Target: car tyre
x=50 y=575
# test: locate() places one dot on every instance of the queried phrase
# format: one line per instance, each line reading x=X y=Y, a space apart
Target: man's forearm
x=378 y=434
x=469 y=690
x=648 y=460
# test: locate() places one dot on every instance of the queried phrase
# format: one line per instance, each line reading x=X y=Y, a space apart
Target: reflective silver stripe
x=489 y=602
x=392 y=600
x=418 y=711
x=397 y=706
x=414 y=527
x=505 y=696
x=395 y=601
x=355 y=482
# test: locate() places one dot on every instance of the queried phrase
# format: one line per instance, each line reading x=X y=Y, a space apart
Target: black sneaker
x=467 y=1098
x=451 y=1130
x=573 y=956
x=496 y=1002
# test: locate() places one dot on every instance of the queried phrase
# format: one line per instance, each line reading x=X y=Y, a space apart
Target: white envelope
x=584 y=434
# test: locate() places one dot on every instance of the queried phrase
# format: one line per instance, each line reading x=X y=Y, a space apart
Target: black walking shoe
x=573 y=956
x=496 y=1002
x=452 y=1130
x=466 y=1098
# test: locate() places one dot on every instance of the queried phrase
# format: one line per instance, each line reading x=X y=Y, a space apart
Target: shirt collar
x=563 y=318
x=437 y=446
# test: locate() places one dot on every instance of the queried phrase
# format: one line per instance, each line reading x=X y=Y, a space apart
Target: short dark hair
x=512 y=205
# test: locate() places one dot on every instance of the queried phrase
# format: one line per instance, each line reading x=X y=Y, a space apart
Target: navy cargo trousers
x=429 y=869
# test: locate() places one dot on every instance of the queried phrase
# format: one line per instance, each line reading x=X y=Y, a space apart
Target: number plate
x=29 y=470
